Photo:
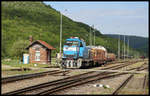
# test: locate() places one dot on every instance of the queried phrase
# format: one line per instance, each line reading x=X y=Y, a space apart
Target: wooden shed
x=40 y=52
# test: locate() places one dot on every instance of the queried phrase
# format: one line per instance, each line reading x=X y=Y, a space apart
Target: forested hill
x=136 y=42
x=20 y=19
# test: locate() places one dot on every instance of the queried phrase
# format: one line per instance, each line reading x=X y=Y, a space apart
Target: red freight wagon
x=98 y=54
x=111 y=57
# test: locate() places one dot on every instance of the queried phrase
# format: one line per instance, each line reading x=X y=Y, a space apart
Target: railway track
x=114 y=62
x=54 y=86
x=35 y=75
x=145 y=80
x=29 y=76
x=124 y=83
x=102 y=75
x=122 y=65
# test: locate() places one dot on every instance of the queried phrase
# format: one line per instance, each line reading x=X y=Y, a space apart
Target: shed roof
x=42 y=43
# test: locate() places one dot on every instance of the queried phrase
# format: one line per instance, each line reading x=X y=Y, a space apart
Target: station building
x=40 y=52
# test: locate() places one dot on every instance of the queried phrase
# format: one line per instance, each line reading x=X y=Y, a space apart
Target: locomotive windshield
x=72 y=43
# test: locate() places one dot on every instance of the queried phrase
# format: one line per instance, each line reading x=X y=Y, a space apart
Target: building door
x=25 y=58
x=49 y=56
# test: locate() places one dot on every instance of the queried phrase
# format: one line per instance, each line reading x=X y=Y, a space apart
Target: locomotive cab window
x=81 y=45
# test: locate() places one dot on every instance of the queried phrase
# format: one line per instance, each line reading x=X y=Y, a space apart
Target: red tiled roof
x=43 y=43
x=46 y=44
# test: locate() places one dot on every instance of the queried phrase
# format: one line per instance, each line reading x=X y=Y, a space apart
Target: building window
x=37 y=55
x=37 y=49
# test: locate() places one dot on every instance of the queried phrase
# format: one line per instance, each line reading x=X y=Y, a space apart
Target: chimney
x=30 y=39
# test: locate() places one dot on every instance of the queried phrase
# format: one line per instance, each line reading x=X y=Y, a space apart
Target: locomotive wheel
x=63 y=64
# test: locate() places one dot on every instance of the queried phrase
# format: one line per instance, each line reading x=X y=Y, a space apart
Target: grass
x=11 y=73
x=135 y=65
x=139 y=75
x=17 y=63
x=14 y=64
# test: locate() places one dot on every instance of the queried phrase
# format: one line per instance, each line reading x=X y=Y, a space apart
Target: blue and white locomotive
x=76 y=54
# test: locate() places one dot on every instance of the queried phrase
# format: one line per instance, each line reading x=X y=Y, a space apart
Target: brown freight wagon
x=98 y=56
x=111 y=57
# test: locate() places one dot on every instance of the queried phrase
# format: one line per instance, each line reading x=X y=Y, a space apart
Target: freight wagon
x=111 y=57
x=76 y=54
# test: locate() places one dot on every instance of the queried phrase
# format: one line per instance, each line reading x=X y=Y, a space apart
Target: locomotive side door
x=81 y=49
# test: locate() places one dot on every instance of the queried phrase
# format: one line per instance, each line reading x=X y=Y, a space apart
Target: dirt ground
x=133 y=88
x=90 y=88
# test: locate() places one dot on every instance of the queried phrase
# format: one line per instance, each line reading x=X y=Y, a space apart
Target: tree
x=18 y=48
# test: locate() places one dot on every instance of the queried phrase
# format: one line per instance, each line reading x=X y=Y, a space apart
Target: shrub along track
x=61 y=84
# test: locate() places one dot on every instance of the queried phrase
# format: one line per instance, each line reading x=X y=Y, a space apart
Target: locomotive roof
x=98 y=47
x=73 y=39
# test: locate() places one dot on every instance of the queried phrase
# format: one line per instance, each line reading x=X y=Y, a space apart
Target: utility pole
x=119 y=47
x=128 y=46
x=60 y=32
x=124 y=47
x=94 y=34
x=90 y=37
x=64 y=66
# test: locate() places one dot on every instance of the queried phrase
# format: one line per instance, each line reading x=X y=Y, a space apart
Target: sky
x=129 y=18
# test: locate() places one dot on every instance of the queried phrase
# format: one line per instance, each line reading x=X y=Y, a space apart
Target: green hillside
x=22 y=19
